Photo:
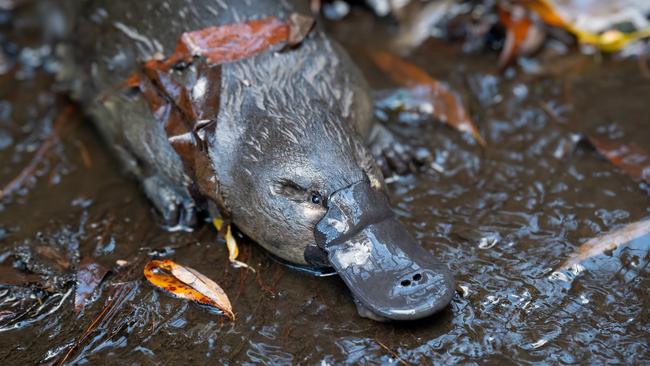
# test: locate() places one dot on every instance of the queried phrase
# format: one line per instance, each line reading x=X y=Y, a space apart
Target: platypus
x=284 y=145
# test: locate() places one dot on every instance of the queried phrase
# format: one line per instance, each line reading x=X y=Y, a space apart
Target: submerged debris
x=30 y=170
x=630 y=158
x=604 y=243
x=89 y=275
x=442 y=102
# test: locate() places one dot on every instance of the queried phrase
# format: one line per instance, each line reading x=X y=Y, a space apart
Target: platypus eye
x=316 y=198
x=295 y=192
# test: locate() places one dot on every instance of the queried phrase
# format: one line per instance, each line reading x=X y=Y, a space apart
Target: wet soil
x=502 y=217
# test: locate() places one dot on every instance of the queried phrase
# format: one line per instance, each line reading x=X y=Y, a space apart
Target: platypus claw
x=177 y=209
x=394 y=157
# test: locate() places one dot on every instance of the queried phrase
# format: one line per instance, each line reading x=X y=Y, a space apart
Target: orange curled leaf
x=607 y=242
x=630 y=158
x=187 y=283
x=447 y=105
x=545 y=11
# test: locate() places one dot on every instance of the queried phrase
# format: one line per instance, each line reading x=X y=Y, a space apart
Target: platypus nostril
x=416 y=279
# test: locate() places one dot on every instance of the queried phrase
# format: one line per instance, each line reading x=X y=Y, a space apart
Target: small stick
x=395 y=355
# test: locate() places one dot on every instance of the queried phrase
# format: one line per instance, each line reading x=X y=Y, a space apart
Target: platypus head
x=307 y=190
x=297 y=178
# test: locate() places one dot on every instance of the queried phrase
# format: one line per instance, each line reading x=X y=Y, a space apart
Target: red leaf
x=228 y=43
x=447 y=105
x=234 y=42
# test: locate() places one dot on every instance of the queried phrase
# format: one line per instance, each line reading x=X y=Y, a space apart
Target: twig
x=40 y=154
x=395 y=355
x=550 y=112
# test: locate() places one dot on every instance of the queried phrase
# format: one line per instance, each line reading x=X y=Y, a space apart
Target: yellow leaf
x=609 y=41
x=231 y=244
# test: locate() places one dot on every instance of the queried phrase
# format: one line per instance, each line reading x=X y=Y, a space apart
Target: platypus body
x=285 y=157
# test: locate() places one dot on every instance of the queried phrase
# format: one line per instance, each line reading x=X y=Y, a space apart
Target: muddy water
x=502 y=218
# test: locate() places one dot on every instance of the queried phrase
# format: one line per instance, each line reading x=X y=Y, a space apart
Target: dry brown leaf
x=606 y=242
x=447 y=105
x=630 y=158
x=187 y=283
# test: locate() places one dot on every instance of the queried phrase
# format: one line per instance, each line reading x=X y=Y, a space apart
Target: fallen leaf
x=89 y=275
x=606 y=242
x=445 y=104
x=630 y=158
x=523 y=36
x=187 y=283
x=233 y=42
x=593 y=22
x=546 y=12
x=231 y=244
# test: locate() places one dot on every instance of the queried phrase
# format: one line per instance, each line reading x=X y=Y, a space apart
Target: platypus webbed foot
x=394 y=157
x=177 y=209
